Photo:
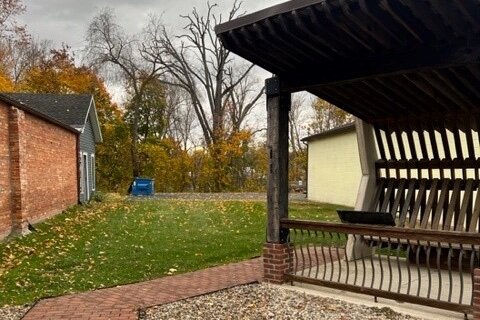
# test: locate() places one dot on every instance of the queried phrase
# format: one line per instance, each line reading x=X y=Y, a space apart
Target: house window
x=82 y=175
x=92 y=170
x=85 y=176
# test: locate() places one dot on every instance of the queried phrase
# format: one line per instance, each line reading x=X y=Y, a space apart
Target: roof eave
x=251 y=18
x=92 y=113
x=332 y=132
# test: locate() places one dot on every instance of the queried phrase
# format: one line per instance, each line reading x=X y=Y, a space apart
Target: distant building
x=79 y=112
x=333 y=170
x=47 y=156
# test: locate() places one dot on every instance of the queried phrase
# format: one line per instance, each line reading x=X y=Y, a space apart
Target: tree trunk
x=134 y=149
x=216 y=150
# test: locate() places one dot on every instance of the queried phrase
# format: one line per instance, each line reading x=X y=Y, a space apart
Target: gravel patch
x=13 y=312
x=261 y=301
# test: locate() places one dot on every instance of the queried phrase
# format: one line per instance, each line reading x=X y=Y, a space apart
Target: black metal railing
x=427 y=267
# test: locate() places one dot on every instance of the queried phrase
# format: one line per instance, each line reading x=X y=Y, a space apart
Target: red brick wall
x=5 y=204
x=277 y=261
x=38 y=169
x=51 y=169
x=18 y=183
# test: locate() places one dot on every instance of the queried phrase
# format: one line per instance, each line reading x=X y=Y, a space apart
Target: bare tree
x=297 y=123
x=198 y=63
x=9 y=9
x=241 y=99
x=22 y=55
x=12 y=35
x=180 y=116
x=109 y=47
x=300 y=114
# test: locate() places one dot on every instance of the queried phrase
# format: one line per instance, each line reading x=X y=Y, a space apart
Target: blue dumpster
x=143 y=187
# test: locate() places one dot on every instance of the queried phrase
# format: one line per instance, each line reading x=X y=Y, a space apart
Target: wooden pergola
x=409 y=70
x=379 y=60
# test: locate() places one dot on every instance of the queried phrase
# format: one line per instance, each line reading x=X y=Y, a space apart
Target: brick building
x=38 y=166
x=79 y=112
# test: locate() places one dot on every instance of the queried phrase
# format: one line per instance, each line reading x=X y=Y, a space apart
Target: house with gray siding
x=79 y=112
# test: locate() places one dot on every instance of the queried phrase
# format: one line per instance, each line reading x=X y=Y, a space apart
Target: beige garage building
x=334 y=173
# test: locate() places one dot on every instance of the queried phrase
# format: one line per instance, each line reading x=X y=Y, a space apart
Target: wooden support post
x=277 y=253
x=366 y=191
x=368 y=156
x=278 y=108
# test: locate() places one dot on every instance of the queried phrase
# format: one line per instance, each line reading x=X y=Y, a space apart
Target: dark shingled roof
x=9 y=100
x=71 y=109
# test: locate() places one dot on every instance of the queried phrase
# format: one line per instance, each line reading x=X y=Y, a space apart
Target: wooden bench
x=427 y=174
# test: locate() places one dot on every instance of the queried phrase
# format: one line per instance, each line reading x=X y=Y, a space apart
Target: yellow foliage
x=233 y=164
x=167 y=163
x=113 y=161
x=6 y=84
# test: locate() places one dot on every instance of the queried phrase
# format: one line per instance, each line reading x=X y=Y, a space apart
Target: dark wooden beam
x=416 y=60
x=278 y=108
x=251 y=18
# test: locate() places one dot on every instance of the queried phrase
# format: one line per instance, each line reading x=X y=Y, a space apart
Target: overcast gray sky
x=65 y=21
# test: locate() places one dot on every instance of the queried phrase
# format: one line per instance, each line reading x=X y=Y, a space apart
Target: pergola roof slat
x=464 y=76
x=334 y=36
x=363 y=22
x=444 y=78
x=379 y=87
x=432 y=21
x=452 y=16
x=407 y=21
x=307 y=44
x=424 y=86
x=345 y=28
x=471 y=12
x=312 y=37
x=366 y=9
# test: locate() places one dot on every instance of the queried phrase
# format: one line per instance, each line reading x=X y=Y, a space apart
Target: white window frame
x=86 y=177
x=92 y=170
x=82 y=174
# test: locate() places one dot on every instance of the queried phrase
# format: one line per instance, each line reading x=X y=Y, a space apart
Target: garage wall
x=334 y=170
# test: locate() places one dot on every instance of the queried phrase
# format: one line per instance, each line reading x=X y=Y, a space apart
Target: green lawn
x=122 y=241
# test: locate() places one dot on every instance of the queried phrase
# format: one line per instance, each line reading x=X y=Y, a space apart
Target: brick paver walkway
x=122 y=303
